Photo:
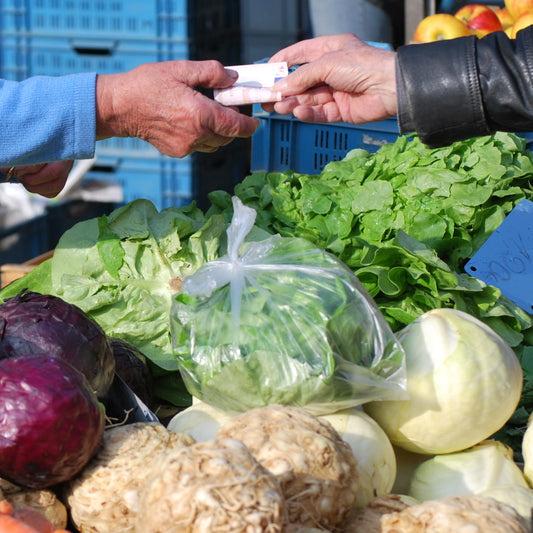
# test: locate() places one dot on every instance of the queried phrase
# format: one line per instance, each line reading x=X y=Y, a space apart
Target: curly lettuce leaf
x=123 y=270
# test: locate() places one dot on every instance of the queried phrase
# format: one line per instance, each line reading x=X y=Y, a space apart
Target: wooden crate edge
x=11 y=271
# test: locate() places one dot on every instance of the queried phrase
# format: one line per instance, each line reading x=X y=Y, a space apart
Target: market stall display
x=404 y=221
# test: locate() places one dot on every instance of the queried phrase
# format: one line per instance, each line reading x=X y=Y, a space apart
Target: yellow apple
x=439 y=27
x=505 y=17
x=479 y=19
x=517 y=8
x=522 y=22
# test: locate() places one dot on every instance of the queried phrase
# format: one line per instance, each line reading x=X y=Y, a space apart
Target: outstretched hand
x=339 y=78
x=158 y=102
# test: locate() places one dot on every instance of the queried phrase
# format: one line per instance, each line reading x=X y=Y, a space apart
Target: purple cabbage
x=51 y=422
x=36 y=323
x=131 y=365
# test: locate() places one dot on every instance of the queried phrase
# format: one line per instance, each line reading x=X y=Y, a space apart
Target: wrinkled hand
x=158 y=102
x=46 y=179
x=340 y=78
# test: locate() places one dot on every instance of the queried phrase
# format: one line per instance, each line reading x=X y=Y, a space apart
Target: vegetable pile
x=282 y=322
x=404 y=221
x=315 y=467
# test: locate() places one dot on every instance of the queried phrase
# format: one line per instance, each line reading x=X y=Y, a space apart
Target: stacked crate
x=58 y=37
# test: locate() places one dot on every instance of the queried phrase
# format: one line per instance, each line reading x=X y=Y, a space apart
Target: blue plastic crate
x=117 y=19
x=23 y=241
x=282 y=142
x=55 y=56
x=165 y=182
x=175 y=182
x=58 y=37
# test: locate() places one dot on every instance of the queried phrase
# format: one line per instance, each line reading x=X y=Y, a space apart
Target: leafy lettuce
x=405 y=219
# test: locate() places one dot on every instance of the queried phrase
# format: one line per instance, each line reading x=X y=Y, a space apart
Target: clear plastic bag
x=282 y=321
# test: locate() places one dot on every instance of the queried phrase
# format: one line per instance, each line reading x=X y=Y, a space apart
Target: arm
x=460 y=88
x=445 y=91
x=50 y=119
x=47 y=119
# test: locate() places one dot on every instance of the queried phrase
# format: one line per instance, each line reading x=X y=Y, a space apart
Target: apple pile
x=476 y=19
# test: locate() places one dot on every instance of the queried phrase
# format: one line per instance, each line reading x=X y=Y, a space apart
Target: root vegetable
x=518 y=497
x=211 y=486
x=44 y=501
x=297 y=528
x=376 y=460
x=104 y=497
x=316 y=469
x=24 y=520
x=367 y=519
x=455 y=513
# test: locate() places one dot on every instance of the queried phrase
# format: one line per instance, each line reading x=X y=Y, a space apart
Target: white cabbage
x=480 y=468
x=527 y=451
x=201 y=421
x=376 y=461
x=463 y=380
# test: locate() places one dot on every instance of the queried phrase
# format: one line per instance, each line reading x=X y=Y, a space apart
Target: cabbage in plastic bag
x=282 y=321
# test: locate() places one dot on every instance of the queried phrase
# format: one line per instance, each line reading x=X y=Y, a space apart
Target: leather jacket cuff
x=405 y=120
x=439 y=93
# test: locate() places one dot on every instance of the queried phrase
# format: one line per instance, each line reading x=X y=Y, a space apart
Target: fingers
x=228 y=123
x=211 y=143
x=22 y=171
x=46 y=179
x=311 y=49
x=326 y=113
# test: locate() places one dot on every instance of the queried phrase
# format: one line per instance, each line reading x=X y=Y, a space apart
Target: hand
x=46 y=179
x=341 y=78
x=157 y=102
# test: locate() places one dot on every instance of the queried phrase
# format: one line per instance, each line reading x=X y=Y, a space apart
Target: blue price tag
x=506 y=258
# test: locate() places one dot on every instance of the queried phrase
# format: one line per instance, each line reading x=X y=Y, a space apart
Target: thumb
x=210 y=74
x=303 y=78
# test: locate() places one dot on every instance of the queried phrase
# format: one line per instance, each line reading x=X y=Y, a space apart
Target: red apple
x=479 y=19
x=438 y=27
x=518 y=7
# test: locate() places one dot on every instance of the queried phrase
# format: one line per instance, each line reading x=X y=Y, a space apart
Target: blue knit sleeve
x=47 y=118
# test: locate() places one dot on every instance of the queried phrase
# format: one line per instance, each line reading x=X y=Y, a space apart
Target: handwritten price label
x=506 y=258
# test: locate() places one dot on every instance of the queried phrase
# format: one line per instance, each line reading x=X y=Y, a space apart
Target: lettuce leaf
x=123 y=269
x=405 y=220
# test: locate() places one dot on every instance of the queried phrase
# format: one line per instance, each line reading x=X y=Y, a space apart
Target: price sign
x=506 y=258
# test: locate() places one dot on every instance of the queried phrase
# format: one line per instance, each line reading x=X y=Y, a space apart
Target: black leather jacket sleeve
x=459 y=88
